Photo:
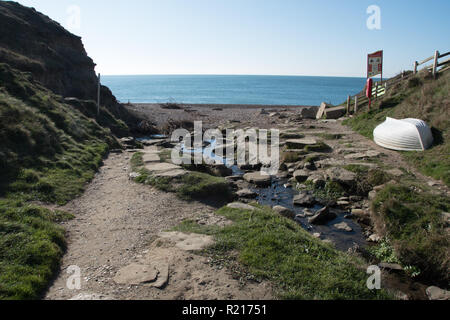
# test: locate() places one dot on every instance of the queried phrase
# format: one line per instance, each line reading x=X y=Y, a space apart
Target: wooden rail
x=380 y=88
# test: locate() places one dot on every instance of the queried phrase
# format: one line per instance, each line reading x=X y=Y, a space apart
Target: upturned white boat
x=404 y=135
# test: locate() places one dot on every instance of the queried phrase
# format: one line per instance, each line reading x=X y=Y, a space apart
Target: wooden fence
x=380 y=88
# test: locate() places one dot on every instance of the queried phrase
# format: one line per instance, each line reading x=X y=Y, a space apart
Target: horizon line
x=237 y=74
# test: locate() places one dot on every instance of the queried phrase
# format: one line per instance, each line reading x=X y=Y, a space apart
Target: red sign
x=375 y=64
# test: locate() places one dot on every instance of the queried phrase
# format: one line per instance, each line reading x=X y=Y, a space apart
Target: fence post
x=348 y=104
x=98 y=96
x=416 y=64
x=436 y=57
x=356 y=105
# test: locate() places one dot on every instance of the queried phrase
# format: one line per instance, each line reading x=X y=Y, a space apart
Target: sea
x=233 y=89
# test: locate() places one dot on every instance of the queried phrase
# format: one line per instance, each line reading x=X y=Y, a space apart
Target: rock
x=300 y=143
x=161 y=167
x=134 y=175
x=150 y=157
x=241 y=206
x=246 y=193
x=309 y=166
x=304 y=199
x=335 y=112
x=372 y=194
x=91 y=296
x=308 y=113
x=301 y=175
x=390 y=266
x=233 y=178
x=274 y=114
x=220 y=170
x=263 y=112
x=395 y=172
x=342 y=176
x=308 y=212
x=321 y=110
x=259 y=179
x=322 y=216
x=188 y=241
x=317 y=179
x=285 y=212
x=358 y=212
x=343 y=226
x=343 y=203
x=317 y=235
x=135 y=274
x=435 y=293
x=375 y=238
x=172 y=173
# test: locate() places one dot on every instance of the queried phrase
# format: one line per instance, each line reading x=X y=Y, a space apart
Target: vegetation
x=193 y=185
x=412 y=218
x=277 y=249
x=420 y=97
x=49 y=150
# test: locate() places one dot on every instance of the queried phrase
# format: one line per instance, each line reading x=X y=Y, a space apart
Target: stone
x=309 y=166
x=150 y=157
x=372 y=195
x=188 y=241
x=91 y=296
x=317 y=179
x=246 y=193
x=321 y=110
x=258 y=178
x=241 y=206
x=135 y=274
x=322 y=216
x=301 y=175
x=358 y=212
x=285 y=212
x=335 y=112
x=317 y=235
x=308 y=212
x=220 y=170
x=172 y=174
x=304 y=199
x=308 y=113
x=134 y=175
x=395 y=172
x=343 y=226
x=342 y=176
x=342 y=203
x=375 y=238
x=435 y=293
x=300 y=143
x=161 y=167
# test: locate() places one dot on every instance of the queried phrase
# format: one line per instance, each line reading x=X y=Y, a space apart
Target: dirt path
x=118 y=223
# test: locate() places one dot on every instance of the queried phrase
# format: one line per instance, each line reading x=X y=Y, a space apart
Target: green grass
x=31 y=244
x=193 y=185
x=411 y=217
x=277 y=249
x=423 y=98
x=49 y=151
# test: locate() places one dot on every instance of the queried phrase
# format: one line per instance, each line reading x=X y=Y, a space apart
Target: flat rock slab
x=395 y=172
x=91 y=296
x=188 y=241
x=150 y=157
x=161 y=167
x=258 y=178
x=435 y=293
x=304 y=199
x=135 y=274
x=285 y=212
x=247 y=194
x=300 y=143
x=241 y=206
x=172 y=173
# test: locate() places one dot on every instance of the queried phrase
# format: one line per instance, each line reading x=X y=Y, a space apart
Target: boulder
x=301 y=175
x=342 y=176
x=304 y=199
x=322 y=216
x=321 y=110
x=247 y=194
x=435 y=293
x=335 y=112
x=300 y=143
x=220 y=170
x=285 y=212
x=308 y=113
x=258 y=178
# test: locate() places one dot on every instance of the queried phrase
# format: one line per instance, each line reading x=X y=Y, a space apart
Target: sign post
x=375 y=64
x=98 y=95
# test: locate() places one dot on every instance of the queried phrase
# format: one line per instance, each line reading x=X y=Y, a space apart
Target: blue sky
x=281 y=37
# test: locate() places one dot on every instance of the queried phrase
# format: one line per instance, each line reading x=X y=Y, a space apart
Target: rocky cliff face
x=32 y=42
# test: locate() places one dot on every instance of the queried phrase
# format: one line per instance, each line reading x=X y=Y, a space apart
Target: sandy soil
x=118 y=222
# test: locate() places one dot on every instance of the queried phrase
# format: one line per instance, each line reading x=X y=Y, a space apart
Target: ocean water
x=229 y=89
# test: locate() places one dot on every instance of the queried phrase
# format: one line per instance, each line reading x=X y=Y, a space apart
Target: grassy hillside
x=409 y=214
x=49 y=150
x=420 y=97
